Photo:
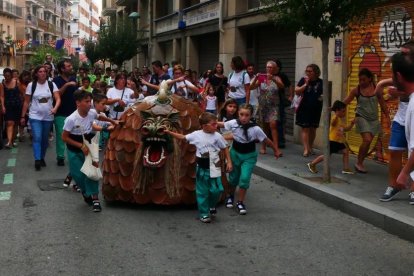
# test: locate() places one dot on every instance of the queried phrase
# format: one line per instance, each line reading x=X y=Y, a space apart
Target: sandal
x=306 y=154
x=359 y=170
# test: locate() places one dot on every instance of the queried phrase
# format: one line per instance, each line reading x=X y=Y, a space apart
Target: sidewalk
x=357 y=195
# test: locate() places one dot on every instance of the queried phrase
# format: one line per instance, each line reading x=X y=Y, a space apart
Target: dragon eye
x=145 y=130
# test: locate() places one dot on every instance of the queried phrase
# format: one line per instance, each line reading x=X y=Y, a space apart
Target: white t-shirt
x=185 y=89
x=254 y=133
x=399 y=117
x=78 y=125
x=211 y=102
x=42 y=101
x=236 y=80
x=114 y=93
x=206 y=142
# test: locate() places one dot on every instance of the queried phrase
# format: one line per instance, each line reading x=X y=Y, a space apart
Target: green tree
x=119 y=42
x=93 y=51
x=323 y=19
x=41 y=51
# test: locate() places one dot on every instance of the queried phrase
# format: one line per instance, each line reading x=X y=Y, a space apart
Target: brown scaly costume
x=144 y=165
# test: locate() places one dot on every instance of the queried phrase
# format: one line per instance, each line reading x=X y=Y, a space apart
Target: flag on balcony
x=68 y=43
x=52 y=43
x=25 y=42
x=59 y=44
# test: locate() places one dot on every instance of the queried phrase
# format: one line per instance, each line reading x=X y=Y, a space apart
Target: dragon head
x=156 y=143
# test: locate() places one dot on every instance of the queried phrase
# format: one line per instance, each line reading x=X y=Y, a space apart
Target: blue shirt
x=67 y=104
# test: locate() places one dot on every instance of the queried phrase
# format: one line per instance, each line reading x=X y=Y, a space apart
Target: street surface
x=48 y=230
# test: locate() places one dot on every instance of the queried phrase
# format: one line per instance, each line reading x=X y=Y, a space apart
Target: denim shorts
x=397 y=139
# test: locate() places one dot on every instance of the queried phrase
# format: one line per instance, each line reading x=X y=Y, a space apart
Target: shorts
x=336 y=147
x=398 y=142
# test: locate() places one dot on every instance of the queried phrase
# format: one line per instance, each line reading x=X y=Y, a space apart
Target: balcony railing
x=10 y=9
x=166 y=23
x=32 y=21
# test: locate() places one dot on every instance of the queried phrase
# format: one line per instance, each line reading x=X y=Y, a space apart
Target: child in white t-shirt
x=79 y=126
x=243 y=154
x=211 y=101
x=209 y=143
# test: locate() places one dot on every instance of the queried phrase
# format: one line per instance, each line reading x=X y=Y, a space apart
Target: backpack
x=231 y=75
x=34 y=84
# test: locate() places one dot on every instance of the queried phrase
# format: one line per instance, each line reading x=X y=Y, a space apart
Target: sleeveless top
x=367 y=106
x=12 y=96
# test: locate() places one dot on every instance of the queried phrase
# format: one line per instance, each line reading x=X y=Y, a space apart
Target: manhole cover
x=50 y=184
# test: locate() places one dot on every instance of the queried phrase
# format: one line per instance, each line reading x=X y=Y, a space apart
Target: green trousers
x=88 y=186
x=243 y=165
x=208 y=191
x=60 y=145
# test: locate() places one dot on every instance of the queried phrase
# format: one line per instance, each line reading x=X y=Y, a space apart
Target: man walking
x=67 y=85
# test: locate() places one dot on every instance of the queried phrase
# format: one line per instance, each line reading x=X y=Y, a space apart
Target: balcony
x=202 y=12
x=65 y=14
x=11 y=10
x=166 y=23
x=33 y=3
x=32 y=22
x=108 y=7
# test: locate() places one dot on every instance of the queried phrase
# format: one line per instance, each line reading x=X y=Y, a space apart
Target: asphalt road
x=284 y=233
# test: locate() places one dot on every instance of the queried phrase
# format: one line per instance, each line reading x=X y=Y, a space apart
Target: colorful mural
x=371 y=46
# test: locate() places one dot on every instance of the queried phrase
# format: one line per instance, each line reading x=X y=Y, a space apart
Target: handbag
x=119 y=108
x=88 y=168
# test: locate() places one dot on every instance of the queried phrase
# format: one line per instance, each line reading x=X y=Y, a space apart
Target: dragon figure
x=142 y=164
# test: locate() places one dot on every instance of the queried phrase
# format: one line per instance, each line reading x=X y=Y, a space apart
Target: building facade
x=84 y=22
x=10 y=13
x=43 y=22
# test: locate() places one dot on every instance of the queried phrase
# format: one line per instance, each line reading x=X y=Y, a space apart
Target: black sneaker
x=241 y=208
x=229 y=201
x=67 y=181
x=205 y=219
x=76 y=188
x=411 y=198
x=213 y=212
x=88 y=199
x=61 y=162
x=38 y=165
x=390 y=192
x=42 y=163
x=96 y=207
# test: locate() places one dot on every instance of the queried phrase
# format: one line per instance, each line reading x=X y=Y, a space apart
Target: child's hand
x=95 y=164
x=121 y=103
x=229 y=166
x=85 y=150
x=116 y=122
x=111 y=127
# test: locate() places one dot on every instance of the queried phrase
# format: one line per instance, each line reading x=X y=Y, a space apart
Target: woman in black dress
x=309 y=111
x=219 y=83
x=11 y=103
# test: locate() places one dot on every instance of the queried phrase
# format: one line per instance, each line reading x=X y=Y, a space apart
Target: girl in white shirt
x=243 y=154
x=211 y=101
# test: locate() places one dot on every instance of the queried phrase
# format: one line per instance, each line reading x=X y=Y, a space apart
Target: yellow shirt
x=336 y=131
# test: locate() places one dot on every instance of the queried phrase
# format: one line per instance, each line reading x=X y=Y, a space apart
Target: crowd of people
x=54 y=102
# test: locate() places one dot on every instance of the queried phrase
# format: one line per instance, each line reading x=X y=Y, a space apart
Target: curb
x=390 y=221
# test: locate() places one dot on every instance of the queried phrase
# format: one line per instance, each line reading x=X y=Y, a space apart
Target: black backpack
x=34 y=84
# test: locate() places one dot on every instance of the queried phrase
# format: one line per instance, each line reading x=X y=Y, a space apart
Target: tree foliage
x=119 y=42
x=318 y=18
x=93 y=51
x=41 y=51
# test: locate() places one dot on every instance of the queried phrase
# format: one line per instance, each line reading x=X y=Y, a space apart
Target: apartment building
x=9 y=14
x=43 y=21
x=84 y=22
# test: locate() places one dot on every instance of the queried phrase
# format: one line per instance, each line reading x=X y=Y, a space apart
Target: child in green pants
x=208 y=177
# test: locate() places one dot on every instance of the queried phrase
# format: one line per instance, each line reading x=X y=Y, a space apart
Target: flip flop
x=359 y=170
